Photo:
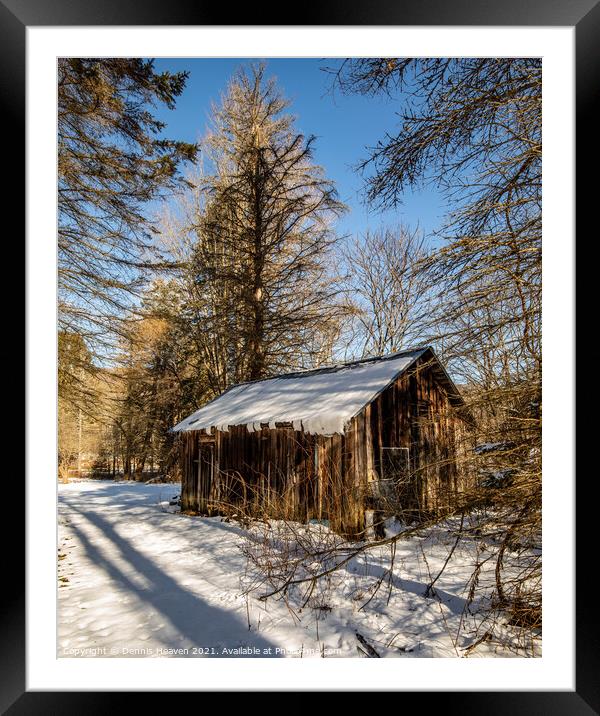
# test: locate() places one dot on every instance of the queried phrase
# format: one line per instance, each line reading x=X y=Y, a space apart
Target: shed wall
x=290 y=474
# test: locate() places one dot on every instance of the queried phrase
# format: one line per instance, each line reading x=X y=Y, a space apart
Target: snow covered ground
x=137 y=579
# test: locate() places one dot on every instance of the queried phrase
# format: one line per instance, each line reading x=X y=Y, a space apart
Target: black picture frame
x=584 y=15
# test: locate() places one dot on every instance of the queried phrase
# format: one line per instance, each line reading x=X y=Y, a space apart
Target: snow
x=484 y=448
x=314 y=401
x=495 y=478
x=138 y=579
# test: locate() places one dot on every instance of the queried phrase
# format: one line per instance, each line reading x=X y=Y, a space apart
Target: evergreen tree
x=112 y=161
x=262 y=289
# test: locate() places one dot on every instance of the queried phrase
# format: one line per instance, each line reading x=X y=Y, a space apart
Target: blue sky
x=344 y=125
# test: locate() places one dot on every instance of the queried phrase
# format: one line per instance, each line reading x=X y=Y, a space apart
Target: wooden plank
x=299 y=476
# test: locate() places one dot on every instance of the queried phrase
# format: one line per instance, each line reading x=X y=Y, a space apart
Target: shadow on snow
x=202 y=624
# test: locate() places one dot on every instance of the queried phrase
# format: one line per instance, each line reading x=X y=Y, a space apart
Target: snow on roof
x=317 y=401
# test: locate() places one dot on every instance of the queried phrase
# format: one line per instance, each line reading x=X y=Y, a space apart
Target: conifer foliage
x=112 y=161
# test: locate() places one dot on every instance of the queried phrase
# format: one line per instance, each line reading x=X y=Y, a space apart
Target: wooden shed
x=342 y=443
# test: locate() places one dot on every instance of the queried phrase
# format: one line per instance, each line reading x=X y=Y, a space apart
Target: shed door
x=395 y=472
x=206 y=470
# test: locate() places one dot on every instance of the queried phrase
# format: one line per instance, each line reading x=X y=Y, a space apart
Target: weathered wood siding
x=415 y=412
x=287 y=473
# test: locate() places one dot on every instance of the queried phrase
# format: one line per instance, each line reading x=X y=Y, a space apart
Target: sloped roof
x=316 y=401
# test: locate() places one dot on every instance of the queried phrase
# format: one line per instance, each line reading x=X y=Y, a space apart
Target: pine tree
x=112 y=161
x=262 y=287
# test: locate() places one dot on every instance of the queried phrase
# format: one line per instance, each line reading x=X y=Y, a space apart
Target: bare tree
x=386 y=290
x=473 y=127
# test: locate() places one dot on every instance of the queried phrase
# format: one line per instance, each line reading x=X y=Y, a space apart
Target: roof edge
x=331 y=367
x=454 y=394
x=419 y=352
